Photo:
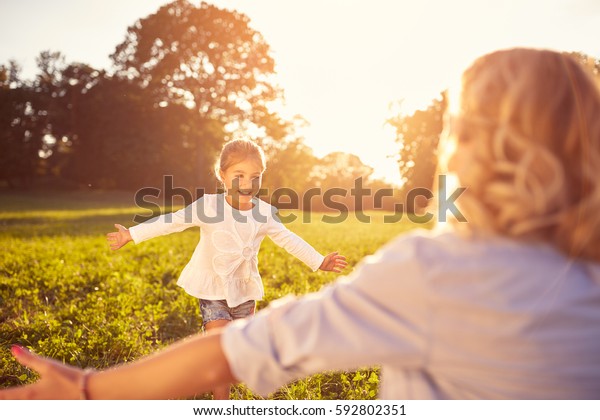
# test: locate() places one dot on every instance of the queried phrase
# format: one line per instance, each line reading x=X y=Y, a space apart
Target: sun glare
x=343 y=81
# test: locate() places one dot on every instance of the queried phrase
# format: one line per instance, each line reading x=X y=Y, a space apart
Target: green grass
x=64 y=294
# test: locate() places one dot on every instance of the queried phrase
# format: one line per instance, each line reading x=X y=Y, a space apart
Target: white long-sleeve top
x=445 y=317
x=224 y=264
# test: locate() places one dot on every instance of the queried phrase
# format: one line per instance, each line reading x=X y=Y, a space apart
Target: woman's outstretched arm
x=191 y=366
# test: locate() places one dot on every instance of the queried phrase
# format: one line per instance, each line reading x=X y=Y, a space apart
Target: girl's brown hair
x=235 y=151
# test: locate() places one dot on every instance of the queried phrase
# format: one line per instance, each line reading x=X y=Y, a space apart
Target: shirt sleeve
x=169 y=223
x=293 y=243
x=378 y=315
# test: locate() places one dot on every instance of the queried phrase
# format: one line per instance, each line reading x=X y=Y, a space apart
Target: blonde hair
x=533 y=117
x=235 y=151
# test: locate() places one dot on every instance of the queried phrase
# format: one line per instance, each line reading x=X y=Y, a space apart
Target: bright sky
x=340 y=62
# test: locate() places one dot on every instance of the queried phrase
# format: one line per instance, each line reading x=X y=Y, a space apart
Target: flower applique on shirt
x=236 y=251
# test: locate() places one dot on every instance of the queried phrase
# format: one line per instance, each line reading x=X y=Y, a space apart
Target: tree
x=289 y=160
x=339 y=169
x=23 y=128
x=205 y=58
x=345 y=177
x=16 y=158
x=418 y=136
x=37 y=120
x=180 y=76
x=50 y=100
x=123 y=140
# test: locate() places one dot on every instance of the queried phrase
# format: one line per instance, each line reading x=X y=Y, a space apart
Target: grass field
x=64 y=294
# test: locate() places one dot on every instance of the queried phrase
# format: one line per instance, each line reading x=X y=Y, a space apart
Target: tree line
x=183 y=81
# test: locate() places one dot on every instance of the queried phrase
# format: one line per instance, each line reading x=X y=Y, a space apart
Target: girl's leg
x=216 y=314
x=219 y=393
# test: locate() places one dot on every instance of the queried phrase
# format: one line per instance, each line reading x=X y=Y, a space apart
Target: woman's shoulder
x=425 y=241
x=441 y=243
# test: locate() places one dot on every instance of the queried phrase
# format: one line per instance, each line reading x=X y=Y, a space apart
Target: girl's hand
x=119 y=238
x=58 y=381
x=334 y=262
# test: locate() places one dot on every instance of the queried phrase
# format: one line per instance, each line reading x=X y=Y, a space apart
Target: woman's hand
x=334 y=262
x=169 y=373
x=119 y=238
x=58 y=381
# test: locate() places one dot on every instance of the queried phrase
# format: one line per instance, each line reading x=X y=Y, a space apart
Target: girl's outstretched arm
x=333 y=262
x=120 y=238
x=301 y=249
x=191 y=366
x=192 y=215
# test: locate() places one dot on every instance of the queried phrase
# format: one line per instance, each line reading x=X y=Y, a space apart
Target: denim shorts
x=213 y=310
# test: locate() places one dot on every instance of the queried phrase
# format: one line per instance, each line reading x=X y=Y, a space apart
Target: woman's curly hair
x=532 y=121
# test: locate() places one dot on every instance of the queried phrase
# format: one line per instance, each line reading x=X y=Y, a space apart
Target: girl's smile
x=242 y=182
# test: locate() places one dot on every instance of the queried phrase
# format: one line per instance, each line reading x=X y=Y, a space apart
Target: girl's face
x=242 y=181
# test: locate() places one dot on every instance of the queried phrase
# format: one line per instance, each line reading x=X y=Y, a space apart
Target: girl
x=223 y=271
x=506 y=307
